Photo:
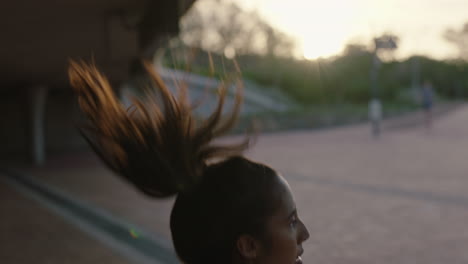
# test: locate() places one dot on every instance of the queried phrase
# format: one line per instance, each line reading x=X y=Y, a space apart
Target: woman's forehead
x=284 y=197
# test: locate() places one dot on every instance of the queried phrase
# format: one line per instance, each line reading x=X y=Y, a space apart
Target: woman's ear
x=248 y=247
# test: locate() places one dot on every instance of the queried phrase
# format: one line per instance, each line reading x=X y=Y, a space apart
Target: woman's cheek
x=286 y=247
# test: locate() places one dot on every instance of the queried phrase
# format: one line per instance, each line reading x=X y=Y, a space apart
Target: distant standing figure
x=427 y=94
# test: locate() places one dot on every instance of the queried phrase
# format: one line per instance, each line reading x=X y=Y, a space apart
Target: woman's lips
x=298 y=260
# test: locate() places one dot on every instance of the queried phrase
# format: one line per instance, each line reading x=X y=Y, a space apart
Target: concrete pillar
x=36 y=133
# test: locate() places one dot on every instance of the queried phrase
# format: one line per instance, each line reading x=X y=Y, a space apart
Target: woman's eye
x=293 y=221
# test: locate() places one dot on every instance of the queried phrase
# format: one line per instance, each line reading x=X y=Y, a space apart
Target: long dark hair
x=163 y=151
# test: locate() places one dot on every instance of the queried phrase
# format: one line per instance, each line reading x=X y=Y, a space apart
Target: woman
x=228 y=209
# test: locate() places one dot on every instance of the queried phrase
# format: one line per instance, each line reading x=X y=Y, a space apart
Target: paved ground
x=33 y=234
x=402 y=198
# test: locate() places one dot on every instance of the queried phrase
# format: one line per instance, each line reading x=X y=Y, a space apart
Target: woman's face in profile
x=286 y=231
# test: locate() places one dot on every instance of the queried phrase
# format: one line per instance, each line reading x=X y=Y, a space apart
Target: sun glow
x=321 y=27
x=314 y=48
x=325 y=29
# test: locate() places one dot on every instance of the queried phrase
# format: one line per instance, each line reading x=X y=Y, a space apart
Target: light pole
x=385 y=42
x=375 y=107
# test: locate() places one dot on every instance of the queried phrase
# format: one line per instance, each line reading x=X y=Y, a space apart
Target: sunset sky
x=322 y=28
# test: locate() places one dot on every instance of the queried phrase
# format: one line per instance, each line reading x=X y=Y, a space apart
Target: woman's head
x=230 y=211
x=242 y=211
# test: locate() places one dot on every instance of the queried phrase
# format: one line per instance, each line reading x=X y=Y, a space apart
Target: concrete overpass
x=37 y=109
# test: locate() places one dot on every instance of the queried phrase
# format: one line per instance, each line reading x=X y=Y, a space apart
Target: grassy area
x=318 y=116
x=335 y=91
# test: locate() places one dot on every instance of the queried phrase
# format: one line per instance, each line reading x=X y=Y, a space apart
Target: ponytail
x=160 y=149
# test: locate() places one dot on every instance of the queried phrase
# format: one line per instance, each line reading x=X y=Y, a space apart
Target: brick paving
x=32 y=234
x=402 y=198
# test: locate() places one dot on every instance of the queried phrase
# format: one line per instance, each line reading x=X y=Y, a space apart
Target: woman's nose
x=303 y=233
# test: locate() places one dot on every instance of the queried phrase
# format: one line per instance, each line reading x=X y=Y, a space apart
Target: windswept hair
x=156 y=144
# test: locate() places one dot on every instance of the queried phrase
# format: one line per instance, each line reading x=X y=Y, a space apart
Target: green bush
x=341 y=79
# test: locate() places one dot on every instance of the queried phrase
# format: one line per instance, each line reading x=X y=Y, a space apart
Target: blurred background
x=361 y=107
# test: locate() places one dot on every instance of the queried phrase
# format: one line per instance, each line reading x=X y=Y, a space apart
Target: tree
x=355 y=49
x=459 y=38
x=224 y=27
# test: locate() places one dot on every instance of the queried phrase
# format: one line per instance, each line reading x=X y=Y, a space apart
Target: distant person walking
x=427 y=96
